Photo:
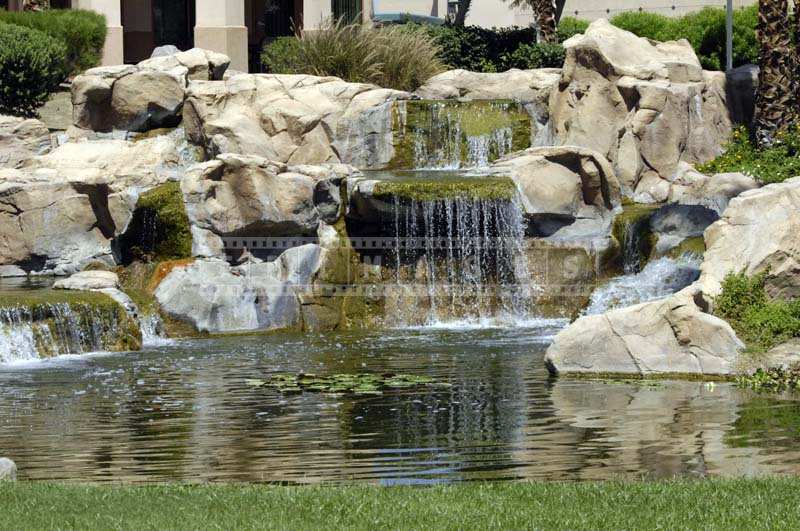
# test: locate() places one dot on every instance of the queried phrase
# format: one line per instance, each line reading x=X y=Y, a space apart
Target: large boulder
x=251 y=198
x=532 y=88
x=674 y=223
x=645 y=106
x=564 y=191
x=144 y=96
x=690 y=187
x=758 y=233
x=63 y=211
x=21 y=139
x=294 y=119
x=668 y=336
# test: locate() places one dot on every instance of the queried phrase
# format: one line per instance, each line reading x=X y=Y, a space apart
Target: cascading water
x=659 y=278
x=152 y=328
x=461 y=259
x=452 y=135
x=48 y=330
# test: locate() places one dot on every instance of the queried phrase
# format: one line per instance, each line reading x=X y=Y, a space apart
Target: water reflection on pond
x=186 y=412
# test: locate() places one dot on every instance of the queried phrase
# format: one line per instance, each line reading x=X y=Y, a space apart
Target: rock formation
x=294 y=119
x=146 y=96
x=645 y=106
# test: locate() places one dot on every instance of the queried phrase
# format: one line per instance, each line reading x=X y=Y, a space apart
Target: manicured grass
x=702 y=504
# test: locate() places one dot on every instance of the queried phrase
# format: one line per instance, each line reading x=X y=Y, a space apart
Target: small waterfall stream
x=45 y=331
x=657 y=279
x=461 y=259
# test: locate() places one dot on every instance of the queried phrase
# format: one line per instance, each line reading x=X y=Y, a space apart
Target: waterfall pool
x=185 y=411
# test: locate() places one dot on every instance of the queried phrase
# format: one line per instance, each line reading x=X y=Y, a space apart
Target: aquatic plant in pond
x=773 y=379
x=359 y=384
x=453 y=134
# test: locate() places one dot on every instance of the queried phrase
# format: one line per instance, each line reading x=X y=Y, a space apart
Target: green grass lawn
x=704 y=504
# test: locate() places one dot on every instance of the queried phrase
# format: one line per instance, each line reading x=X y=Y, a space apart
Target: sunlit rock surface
x=294 y=119
x=645 y=106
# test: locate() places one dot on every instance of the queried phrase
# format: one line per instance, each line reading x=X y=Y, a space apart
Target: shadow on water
x=186 y=412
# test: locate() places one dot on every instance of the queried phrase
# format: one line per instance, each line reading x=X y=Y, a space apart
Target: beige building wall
x=220 y=27
x=113 y=50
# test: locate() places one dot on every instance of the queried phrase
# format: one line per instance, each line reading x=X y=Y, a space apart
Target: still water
x=185 y=412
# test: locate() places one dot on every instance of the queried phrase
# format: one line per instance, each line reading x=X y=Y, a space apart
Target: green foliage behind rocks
x=704 y=29
x=398 y=57
x=83 y=33
x=771 y=164
x=758 y=321
x=31 y=67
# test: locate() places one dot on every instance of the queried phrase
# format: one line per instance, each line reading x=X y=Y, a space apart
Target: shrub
x=31 y=66
x=760 y=322
x=399 y=57
x=704 y=29
x=479 y=49
x=82 y=32
x=775 y=379
x=542 y=55
x=772 y=164
x=569 y=27
x=281 y=56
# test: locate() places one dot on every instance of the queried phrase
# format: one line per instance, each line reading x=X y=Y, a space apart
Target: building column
x=220 y=27
x=113 y=50
x=316 y=13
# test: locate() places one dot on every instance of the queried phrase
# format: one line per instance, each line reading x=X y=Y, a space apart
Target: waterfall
x=453 y=135
x=153 y=333
x=49 y=330
x=658 y=279
x=460 y=259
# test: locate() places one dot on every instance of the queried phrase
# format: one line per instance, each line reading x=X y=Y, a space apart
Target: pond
x=188 y=411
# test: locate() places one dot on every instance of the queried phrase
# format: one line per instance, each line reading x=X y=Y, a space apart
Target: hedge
x=704 y=29
x=83 y=33
x=31 y=66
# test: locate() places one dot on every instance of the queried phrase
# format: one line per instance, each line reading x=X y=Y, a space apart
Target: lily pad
x=339 y=384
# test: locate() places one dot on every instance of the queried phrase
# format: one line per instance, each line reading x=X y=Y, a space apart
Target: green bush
x=281 y=55
x=31 y=66
x=704 y=29
x=542 y=55
x=569 y=27
x=760 y=322
x=399 y=57
x=773 y=164
x=479 y=49
x=82 y=32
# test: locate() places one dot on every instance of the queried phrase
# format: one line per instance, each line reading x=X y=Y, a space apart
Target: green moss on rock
x=632 y=228
x=695 y=246
x=159 y=229
x=492 y=188
x=90 y=312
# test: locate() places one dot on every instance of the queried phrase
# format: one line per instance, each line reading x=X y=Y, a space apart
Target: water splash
x=153 y=332
x=658 y=279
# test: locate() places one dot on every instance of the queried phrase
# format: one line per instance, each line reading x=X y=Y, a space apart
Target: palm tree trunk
x=776 y=101
x=546 y=20
x=461 y=14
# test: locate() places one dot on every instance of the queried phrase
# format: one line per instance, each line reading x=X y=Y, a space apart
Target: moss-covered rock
x=695 y=246
x=140 y=280
x=491 y=188
x=634 y=237
x=71 y=322
x=159 y=229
